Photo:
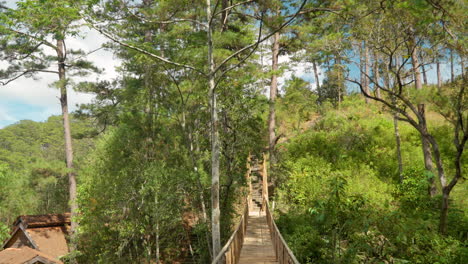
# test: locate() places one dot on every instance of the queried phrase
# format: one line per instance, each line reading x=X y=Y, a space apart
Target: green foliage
x=297 y=104
x=33 y=175
x=146 y=185
x=302 y=237
x=340 y=200
x=126 y=197
x=412 y=191
x=14 y=198
x=4 y=232
x=333 y=88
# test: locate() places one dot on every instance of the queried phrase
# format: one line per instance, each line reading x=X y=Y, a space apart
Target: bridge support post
x=264 y=180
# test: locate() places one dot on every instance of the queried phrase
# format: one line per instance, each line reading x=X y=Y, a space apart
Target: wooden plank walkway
x=258 y=247
x=253 y=242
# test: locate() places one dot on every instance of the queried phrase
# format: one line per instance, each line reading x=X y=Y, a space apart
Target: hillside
x=32 y=172
x=340 y=198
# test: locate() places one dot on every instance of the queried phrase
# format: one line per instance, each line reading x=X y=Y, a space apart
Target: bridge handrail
x=232 y=249
x=283 y=252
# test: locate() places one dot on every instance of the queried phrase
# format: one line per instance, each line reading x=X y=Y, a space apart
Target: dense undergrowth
x=340 y=198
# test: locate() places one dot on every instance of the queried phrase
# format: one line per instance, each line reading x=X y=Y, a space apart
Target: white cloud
x=39 y=94
x=35 y=92
x=11 y=3
x=301 y=69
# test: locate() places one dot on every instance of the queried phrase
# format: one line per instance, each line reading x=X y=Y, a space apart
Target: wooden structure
x=256 y=238
x=283 y=252
x=26 y=255
x=231 y=251
x=46 y=234
x=258 y=246
x=264 y=180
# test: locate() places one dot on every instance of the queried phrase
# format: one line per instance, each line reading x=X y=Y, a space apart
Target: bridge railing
x=230 y=253
x=284 y=255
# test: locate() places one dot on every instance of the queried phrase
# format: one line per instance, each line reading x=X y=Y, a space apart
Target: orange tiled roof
x=25 y=254
x=50 y=240
x=30 y=221
x=44 y=233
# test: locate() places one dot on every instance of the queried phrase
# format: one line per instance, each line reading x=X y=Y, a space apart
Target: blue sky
x=431 y=74
x=8 y=108
x=36 y=100
x=33 y=99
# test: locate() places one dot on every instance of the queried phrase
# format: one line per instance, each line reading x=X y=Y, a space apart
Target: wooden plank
x=258 y=246
x=257 y=238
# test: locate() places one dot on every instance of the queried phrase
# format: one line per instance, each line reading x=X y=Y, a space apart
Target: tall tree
x=215 y=147
x=439 y=75
x=217 y=66
x=396 y=39
x=28 y=34
x=452 y=71
x=272 y=99
x=316 y=75
x=363 y=49
x=426 y=148
x=318 y=38
x=376 y=74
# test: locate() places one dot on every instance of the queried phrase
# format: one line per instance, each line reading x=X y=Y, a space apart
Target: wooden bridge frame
x=231 y=251
x=283 y=252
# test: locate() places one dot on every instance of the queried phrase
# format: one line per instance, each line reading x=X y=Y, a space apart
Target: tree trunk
x=452 y=73
x=460 y=139
x=68 y=141
x=424 y=74
x=149 y=112
x=264 y=180
x=426 y=147
x=398 y=143
x=224 y=15
x=367 y=67
x=416 y=71
x=443 y=182
x=339 y=97
x=376 y=75
x=339 y=87
x=439 y=76
x=398 y=146
x=444 y=211
x=363 y=70
x=157 y=232
x=199 y=183
x=317 y=82
x=273 y=92
x=429 y=166
x=462 y=64
x=215 y=148
x=395 y=126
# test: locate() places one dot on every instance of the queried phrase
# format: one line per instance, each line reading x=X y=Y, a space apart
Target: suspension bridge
x=256 y=239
